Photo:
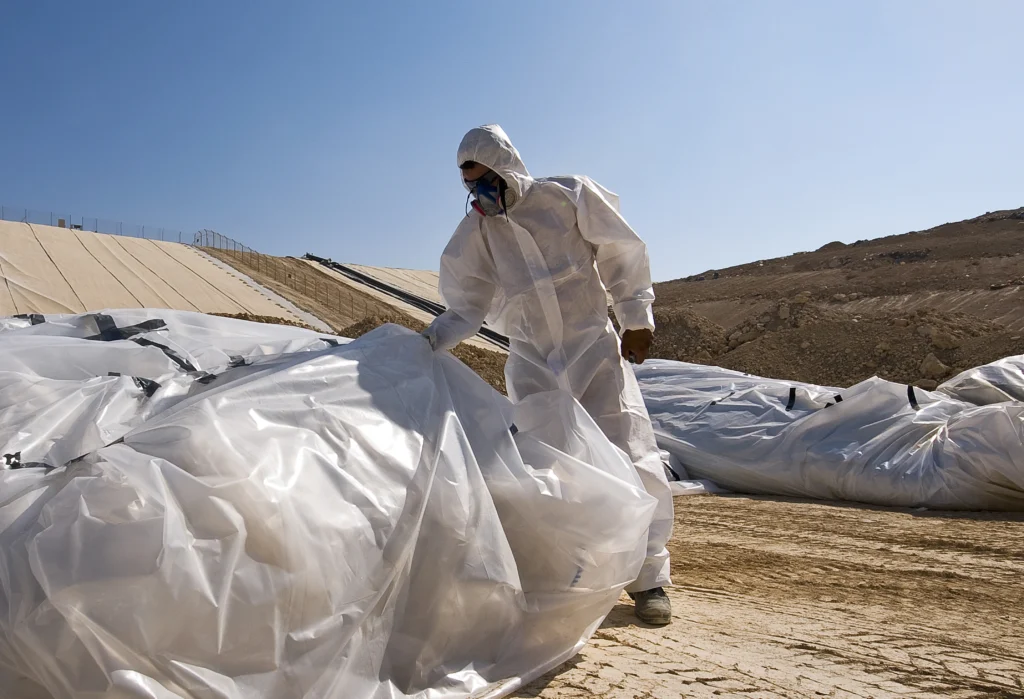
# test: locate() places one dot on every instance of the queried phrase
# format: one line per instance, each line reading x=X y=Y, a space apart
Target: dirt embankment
x=913 y=308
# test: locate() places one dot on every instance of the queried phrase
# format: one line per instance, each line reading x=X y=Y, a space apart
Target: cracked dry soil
x=783 y=598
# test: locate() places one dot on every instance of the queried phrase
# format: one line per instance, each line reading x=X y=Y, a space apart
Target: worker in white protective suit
x=534 y=258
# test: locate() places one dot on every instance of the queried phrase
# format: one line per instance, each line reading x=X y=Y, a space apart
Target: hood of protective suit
x=489 y=145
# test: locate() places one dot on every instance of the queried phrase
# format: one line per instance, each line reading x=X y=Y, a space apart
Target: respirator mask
x=489 y=194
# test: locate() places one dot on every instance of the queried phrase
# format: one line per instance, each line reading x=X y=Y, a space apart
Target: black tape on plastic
x=792 y=398
x=148 y=386
x=34 y=318
x=108 y=330
x=13 y=461
x=174 y=356
x=912 y=397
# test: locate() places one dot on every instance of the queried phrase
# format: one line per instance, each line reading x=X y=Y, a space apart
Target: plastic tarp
x=206 y=507
x=997 y=382
x=878 y=442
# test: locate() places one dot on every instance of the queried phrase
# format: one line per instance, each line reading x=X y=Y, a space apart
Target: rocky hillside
x=913 y=308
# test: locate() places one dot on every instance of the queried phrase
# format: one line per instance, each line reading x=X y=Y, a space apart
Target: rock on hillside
x=685 y=336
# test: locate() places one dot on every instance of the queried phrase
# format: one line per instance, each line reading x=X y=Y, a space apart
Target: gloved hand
x=636 y=344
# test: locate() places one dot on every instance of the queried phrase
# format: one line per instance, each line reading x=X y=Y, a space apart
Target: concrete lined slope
x=34 y=282
x=423 y=283
x=148 y=289
x=413 y=281
x=44 y=269
x=88 y=279
x=384 y=299
x=311 y=291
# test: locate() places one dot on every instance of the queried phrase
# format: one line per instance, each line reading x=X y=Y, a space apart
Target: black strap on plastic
x=106 y=327
x=792 y=398
x=174 y=356
x=13 y=461
x=513 y=429
x=912 y=398
x=330 y=341
x=205 y=377
x=34 y=318
x=148 y=386
x=108 y=330
x=839 y=398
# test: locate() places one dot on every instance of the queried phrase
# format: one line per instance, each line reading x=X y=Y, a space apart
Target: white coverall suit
x=537 y=276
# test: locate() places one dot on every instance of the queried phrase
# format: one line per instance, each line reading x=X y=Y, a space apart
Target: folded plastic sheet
x=878 y=442
x=998 y=382
x=250 y=511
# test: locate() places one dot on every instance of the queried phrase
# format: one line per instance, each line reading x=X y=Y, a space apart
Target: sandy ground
x=777 y=598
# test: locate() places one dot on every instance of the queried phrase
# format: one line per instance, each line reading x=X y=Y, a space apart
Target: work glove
x=636 y=344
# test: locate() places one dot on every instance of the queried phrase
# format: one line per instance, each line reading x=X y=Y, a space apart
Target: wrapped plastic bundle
x=252 y=512
x=877 y=442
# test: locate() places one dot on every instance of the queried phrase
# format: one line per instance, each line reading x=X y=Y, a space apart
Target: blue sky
x=732 y=131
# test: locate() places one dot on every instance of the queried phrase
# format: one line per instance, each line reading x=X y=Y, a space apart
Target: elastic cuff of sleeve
x=634 y=315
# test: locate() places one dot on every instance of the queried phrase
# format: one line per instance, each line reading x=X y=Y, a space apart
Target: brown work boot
x=652 y=607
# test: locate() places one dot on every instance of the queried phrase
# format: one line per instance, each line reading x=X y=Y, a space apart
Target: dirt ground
x=844 y=313
x=782 y=598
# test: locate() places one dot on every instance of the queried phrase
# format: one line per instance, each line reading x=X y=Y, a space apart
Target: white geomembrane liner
x=51 y=270
x=207 y=507
x=959 y=448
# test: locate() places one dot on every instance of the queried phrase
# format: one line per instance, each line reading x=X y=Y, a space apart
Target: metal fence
x=268 y=270
x=90 y=223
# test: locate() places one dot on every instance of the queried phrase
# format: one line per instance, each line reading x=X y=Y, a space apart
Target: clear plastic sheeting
x=248 y=511
x=878 y=442
x=997 y=382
